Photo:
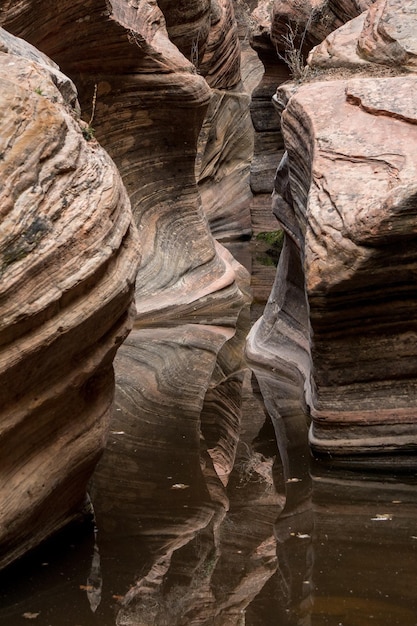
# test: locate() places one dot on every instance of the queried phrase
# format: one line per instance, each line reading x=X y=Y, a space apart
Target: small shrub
x=294 y=40
x=254 y=467
x=293 y=55
x=272 y=238
x=88 y=133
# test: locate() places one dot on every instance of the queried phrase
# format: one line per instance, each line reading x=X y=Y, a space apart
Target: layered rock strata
x=268 y=143
x=146 y=79
x=345 y=198
x=282 y=33
x=68 y=260
x=156 y=68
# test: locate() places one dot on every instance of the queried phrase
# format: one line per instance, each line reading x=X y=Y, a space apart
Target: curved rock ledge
x=68 y=260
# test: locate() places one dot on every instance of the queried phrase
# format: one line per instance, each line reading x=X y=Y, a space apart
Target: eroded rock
x=344 y=196
x=384 y=35
x=69 y=254
x=389 y=34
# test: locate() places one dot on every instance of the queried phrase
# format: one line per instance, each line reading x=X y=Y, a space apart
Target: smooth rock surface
x=340 y=48
x=68 y=260
x=389 y=33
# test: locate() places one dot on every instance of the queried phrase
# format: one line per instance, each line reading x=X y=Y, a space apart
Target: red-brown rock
x=68 y=260
x=345 y=196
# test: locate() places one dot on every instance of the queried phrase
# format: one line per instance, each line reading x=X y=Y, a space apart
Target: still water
x=182 y=538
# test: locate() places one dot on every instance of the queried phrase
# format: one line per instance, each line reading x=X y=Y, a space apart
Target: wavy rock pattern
x=345 y=198
x=158 y=71
x=68 y=262
x=150 y=107
x=225 y=151
x=155 y=69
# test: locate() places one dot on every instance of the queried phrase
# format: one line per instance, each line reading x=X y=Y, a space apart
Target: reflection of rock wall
x=346 y=198
x=68 y=258
x=356 y=518
x=203 y=552
x=331 y=568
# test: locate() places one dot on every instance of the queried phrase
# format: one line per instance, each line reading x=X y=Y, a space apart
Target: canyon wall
x=164 y=93
x=161 y=91
x=69 y=253
x=339 y=327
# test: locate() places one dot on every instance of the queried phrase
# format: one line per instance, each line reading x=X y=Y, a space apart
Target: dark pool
x=173 y=544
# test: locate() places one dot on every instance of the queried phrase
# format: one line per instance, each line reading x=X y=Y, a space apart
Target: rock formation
x=146 y=77
x=345 y=197
x=161 y=88
x=156 y=69
x=268 y=142
x=69 y=255
x=282 y=32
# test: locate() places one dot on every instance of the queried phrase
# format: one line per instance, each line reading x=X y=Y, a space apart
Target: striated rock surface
x=225 y=151
x=268 y=142
x=147 y=99
x=68 y=261
x=363 y=368
x=282 y=33
x=384 y=35
x=148 y=111
x=345 y=197
x=155 y=67
x=162 y=89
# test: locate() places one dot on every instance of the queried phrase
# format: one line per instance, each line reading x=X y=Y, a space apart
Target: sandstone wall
x=146 y=75
x=69 y=254
x=345 y=195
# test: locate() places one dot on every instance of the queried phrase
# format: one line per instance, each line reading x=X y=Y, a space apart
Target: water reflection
x=200 y=520
x=365 y=549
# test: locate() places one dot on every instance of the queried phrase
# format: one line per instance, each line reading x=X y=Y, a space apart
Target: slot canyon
x=208 y=291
